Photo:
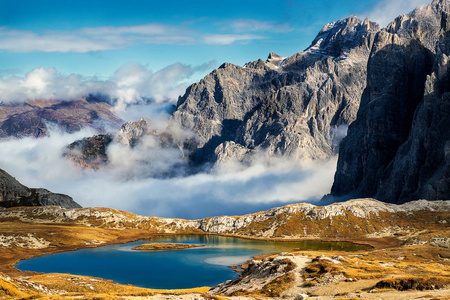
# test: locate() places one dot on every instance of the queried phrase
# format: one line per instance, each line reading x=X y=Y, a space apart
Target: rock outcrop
x=397 y=150
x=89 y=152
x=13 y=193
x=144 y=138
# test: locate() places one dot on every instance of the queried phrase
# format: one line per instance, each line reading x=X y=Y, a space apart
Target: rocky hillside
x=360 y=219
x=32 y=118
x=354 y=219
x=398 y=149
x=13 y=193
x=90 y=152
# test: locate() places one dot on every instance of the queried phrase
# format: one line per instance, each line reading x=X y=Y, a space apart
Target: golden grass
x=165 y=246
x=9 y=289
x=413 y=283
x=277 y=286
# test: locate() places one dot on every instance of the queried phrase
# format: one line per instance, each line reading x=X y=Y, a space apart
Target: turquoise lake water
x=176 y=269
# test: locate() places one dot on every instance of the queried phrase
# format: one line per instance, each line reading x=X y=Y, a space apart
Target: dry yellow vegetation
x=165 y=246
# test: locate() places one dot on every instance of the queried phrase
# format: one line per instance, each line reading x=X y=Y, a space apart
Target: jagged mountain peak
x=337 y=38
x=424 y=25
x=440 y=4
x=273 y=56
x=403 y=116
x=430 y=13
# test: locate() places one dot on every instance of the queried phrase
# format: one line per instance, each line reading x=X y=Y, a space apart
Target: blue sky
x=96 y=38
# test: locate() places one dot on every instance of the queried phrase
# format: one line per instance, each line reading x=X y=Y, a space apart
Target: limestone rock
x=89 y=152
x=284 y=106
x=289 y=106
x=395 y=151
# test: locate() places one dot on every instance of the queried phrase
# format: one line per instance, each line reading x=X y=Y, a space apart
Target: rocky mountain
x=32 y=118
x=90 y=152
x=13 y=193
x=299 y=106
x=390 y=84
x=398 y=149
x=290 y=106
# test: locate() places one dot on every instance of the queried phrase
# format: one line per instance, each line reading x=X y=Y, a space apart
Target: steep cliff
x=393 y=82
x=282 y=106
x=397 y=149
x=13 y=193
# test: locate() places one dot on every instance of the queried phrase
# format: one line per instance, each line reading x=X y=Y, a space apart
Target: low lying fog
x=230 y=190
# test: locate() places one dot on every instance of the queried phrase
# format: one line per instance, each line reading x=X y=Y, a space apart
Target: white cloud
x=252 y=25
x=38 y=163
x=227 y=39
x=130 y=84
x=386 y=11
x=107 y=38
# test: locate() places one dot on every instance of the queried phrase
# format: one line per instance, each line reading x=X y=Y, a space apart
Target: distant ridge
x=13 y=193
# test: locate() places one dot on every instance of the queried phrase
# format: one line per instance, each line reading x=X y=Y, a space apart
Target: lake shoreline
x=8 y=267
x=211 y=262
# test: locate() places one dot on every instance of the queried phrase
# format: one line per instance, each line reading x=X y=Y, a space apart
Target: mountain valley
x=376 y=98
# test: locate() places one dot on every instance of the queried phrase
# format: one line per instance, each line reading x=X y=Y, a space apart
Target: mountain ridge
x=33 y=118
x=13 y=194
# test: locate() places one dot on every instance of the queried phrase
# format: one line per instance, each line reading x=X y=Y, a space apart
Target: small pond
x=188 y=268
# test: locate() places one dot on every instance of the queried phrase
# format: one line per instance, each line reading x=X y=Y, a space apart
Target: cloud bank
x=118 y=37
x=38 y=163
x=387 y=10
x=131 y=84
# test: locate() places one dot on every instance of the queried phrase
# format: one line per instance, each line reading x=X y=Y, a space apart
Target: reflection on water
x=227 y=260
x=204 y=266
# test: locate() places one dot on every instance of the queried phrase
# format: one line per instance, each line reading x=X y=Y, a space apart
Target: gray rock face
x=89 y=152
x=281 y=106
x=13 y=193
x=397 y=149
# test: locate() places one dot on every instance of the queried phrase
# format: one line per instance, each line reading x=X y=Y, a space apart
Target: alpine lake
x=171 y=269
